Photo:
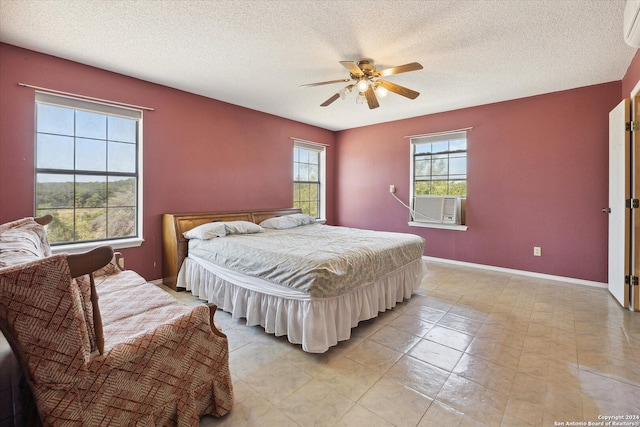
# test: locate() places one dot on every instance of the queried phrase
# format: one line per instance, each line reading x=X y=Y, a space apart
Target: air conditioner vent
x=449 y=210
x=437 y=209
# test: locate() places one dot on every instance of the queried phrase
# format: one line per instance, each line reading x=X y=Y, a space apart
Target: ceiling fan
x=366 y=80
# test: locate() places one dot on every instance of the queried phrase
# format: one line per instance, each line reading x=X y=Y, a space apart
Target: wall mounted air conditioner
x=632 y=23
x=438 y=209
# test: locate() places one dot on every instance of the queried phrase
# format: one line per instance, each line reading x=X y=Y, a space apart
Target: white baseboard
x=519 y=272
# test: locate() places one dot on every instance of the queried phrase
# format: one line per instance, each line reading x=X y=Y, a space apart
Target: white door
x=618 y=193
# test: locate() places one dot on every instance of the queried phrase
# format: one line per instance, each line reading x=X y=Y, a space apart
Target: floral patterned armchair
x=111 y=351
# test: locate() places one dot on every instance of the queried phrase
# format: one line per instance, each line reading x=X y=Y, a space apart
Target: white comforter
x=320 y=260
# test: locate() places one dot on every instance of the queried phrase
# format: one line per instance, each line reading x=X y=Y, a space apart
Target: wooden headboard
x=175 y=246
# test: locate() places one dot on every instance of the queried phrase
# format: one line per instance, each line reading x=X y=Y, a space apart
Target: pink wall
x=537 y=166
x=199 y=154
x=537 y=173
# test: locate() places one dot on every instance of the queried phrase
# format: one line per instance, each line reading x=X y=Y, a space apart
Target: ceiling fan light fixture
x=363 y=84
x=345 y=91
x=366 y=80
x=381 y=91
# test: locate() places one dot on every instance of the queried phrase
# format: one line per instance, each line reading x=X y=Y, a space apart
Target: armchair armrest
x=212 y=311
x=44 y=220
x=118 y=260
x=88 y=262
x=114 y=266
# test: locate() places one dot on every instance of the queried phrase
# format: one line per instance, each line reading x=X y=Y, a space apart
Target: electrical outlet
x=537 y=251
x=392 y=188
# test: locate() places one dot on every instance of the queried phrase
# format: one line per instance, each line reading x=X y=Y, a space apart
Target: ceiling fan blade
x=353 y=68
x=330 y=100
x=371 y=98
x=400 y=90
x=399 y=69
x=326 y=83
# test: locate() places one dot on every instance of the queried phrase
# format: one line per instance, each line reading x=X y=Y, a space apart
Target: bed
x=308 y=281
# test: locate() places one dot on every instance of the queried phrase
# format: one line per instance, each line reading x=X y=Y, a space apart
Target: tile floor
x=472 y=347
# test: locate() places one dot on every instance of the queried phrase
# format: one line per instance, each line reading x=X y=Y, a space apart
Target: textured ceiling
x=256 y=53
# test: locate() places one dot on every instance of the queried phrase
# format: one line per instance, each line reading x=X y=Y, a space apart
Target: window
x=87 y=169
x=308 y=178
x=439 y=164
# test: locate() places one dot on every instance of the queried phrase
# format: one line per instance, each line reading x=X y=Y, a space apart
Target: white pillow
x=242 y=227
x=206 y=231
x=302 y=219
x=287 y=221
x=279 y=223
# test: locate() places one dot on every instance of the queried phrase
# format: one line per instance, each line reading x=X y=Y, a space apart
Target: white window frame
x=102 y=108
x=433 y=137
x=322 y=178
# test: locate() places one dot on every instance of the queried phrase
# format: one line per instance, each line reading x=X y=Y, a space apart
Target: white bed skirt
x=316 y=323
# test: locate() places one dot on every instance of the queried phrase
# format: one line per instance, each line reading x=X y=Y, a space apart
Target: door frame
x=634 y=256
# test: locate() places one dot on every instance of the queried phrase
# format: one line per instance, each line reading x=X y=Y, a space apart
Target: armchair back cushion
x=21 y=241
x=24 y=240
x=40 y=296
